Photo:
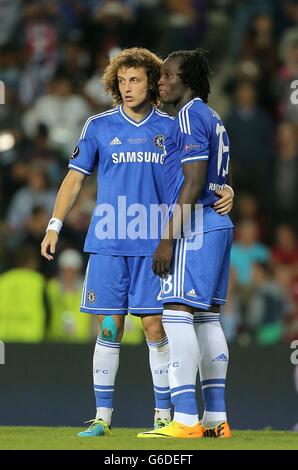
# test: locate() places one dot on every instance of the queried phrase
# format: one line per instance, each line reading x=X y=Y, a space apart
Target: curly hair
x=195 y=71
x=133 y=57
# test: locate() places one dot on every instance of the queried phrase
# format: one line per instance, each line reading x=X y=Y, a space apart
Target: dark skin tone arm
x=194 y=180
x=225 y=203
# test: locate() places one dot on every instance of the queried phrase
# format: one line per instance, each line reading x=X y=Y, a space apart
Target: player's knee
x=154 y=331
x=109 y=330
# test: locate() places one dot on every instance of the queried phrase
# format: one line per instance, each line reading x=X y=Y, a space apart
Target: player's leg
x=145 y=301
x=159 y=358
x=178 y=324
x=105 y=294
x=214 y=357
x=214 y=354
x=105 y=365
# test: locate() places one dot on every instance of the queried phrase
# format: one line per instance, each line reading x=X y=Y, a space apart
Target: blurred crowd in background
x=52 y=56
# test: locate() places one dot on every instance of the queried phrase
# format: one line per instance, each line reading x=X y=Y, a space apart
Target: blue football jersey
x=198 y=133
x=129 y=158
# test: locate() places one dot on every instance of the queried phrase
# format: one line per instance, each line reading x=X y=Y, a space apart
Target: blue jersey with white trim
x=129 y=156
x=198 y=134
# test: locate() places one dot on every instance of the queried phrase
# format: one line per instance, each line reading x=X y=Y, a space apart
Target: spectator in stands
x=41 y=36
x=184 y=24
x=285 y=249
x=112 y=23
x=39 y=151
x=36 y=193
x=251 y=138
x=267 y=305
x=62 y=112
x=23 y=310
x=74 y=64
x=9 y=17
x=94 y=89
x=286 y=171
x=247 y=207
x=260 y=47
x=246 y=250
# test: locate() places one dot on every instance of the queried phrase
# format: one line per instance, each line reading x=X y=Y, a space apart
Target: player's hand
x=225 y=203
x=162 y=258
x=48 y=245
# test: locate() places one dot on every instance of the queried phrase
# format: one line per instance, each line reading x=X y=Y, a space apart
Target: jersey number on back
x=222 y=149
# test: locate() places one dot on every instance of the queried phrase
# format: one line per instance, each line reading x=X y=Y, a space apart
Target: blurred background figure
x=251 y=138
x=61 y=111
x=246 y=251
x=9 y=17
x=93 y=89
x=267 y=305
x=286 y=170
x=23 y=311
x=36 y=193
x=64 y=292
x=285 y=248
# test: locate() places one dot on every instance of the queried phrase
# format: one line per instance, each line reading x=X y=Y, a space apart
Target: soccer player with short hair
x=194 y=266
x=126 y=143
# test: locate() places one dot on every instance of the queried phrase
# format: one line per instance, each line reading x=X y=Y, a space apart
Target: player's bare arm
x=66 y=198
x=194 y=180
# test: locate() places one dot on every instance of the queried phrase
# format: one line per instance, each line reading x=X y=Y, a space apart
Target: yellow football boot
x=175 y=431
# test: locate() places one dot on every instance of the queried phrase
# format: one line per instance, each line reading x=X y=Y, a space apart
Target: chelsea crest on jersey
x=129 y=158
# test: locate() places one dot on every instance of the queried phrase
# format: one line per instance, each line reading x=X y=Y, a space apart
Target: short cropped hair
x=133 y=57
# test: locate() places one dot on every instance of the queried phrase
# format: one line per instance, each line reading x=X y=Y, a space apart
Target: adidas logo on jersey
x=191 y=293
x=115 y=141
x=221 y=357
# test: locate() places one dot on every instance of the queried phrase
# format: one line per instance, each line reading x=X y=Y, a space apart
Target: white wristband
x=54 y=224
x=230 y=187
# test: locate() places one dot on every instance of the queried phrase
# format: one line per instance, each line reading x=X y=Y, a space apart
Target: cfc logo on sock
x=173 y=364
x=100 y=371
x=161 y=371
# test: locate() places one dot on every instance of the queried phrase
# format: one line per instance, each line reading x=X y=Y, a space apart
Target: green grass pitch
x=125 y=439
